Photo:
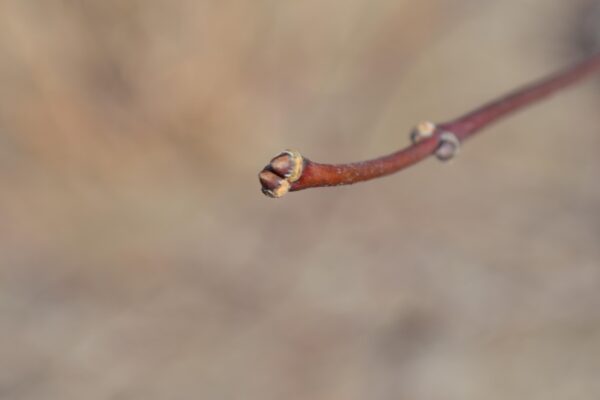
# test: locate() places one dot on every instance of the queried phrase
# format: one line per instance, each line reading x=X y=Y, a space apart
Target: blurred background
x=139 y=260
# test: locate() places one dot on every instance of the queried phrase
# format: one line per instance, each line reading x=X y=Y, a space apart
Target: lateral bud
x=422 y=131
x=449 y=146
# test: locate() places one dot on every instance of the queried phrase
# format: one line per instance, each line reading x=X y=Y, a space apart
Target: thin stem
x=474 y=121
x=277 y=178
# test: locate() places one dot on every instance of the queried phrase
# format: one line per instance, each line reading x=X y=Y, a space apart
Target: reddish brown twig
x=289 y=171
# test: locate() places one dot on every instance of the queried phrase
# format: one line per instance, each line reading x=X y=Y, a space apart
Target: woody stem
x=317 y=174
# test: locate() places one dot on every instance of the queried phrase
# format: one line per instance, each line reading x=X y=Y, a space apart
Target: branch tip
x=283 y=170
x=288 y=164
x=290 y=171
x=273 y=185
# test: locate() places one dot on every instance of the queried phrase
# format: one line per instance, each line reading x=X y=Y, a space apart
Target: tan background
x=138 y=259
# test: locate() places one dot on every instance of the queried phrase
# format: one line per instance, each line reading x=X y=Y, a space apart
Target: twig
x=290 y=171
